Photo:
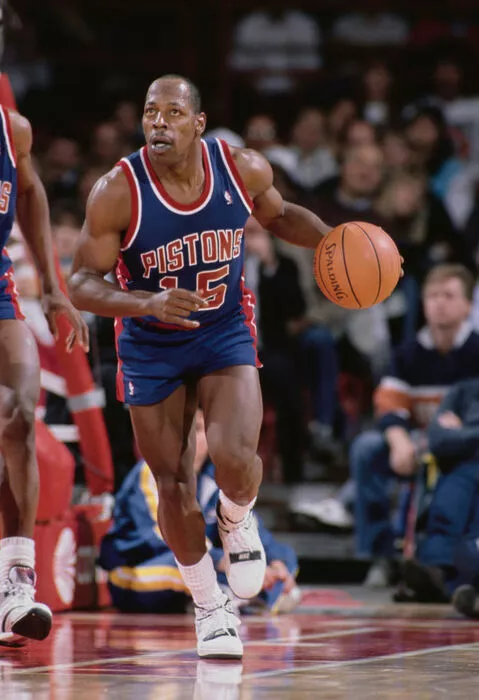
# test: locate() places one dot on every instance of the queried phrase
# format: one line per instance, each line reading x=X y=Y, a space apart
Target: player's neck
x=188 y=172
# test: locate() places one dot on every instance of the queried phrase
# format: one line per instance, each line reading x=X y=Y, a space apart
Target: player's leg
x=165 y=433
x=20 y=616
x=232 y=405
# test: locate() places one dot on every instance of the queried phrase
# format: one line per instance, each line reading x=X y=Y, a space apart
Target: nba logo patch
x=131 y=389
x=228 y=197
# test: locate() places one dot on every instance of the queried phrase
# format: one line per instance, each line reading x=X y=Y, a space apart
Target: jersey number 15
x=205 y=282
x=5 y=192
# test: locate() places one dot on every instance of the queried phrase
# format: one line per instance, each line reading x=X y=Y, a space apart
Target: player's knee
x=235 y=459
x=19 y=419
x=172 y=487
x=8 y=403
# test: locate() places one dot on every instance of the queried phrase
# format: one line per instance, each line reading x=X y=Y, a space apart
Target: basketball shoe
x=21 y=617
x=245 y=559
x=216 y=632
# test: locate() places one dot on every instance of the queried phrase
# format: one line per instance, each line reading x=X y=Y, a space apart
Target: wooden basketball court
x=335 y=647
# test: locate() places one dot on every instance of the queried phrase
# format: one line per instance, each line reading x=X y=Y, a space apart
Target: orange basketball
x=357 y=265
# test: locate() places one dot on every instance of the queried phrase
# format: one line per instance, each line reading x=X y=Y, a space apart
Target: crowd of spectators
x=352 y=134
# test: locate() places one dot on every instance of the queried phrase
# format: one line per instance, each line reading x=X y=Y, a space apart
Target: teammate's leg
x=20 y=616
x=232 y=405
x=165 y=433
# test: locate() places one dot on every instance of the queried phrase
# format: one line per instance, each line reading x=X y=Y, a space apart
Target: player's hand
x=277 y=571
x=449 y=420
x=56 y=303
x=175 y=306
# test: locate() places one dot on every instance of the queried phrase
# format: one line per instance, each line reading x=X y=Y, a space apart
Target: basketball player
x=22 y=193
x=171 y=218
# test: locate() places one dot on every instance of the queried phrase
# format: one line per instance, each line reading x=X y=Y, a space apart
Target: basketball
x=357 y=265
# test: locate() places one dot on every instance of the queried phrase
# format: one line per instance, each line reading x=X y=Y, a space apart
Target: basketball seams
x=346 y=267
x=378 y=261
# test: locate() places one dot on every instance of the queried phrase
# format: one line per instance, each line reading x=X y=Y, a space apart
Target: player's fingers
x=185 y=294
x=185 y=305
x=71 y=340
x=52 y=324
x=179 y=321
x=178 y=311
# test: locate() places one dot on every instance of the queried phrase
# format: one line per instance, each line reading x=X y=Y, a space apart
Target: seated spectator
x=461 y=110
x=341 y=114
x=376 y=96
x=396 y=151
x=351 y=196
x=315 y=161
x=107 y=145
x=420 y=225
x=444 y=352
x=360 y=133
x=433 y=151
x=67 y=221
x=60 y=168
x=142 y=572
x=448 y=555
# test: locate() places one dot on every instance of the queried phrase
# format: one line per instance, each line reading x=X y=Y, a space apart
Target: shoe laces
x=243 y=531
x=20 y=583
x=220 y=618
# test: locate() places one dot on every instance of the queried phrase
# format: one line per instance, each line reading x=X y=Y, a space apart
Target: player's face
x=170 y=123
x=445 y=304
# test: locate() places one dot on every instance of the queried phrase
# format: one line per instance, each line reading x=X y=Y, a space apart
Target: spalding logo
x=335 y=286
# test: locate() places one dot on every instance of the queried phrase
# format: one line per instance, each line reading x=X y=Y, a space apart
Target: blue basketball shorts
x=153 y=362
x=9 y=307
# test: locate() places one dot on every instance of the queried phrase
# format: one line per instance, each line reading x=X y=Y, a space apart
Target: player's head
x=172 y=118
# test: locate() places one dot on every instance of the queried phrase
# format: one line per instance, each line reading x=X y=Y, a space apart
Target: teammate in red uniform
x=22 y=193
x=171 y=218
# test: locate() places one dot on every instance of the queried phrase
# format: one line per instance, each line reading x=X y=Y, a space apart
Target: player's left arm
x=34 y=219
x=288 y=221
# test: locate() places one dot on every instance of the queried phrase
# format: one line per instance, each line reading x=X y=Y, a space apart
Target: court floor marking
x=171 y=653
x=360 y=662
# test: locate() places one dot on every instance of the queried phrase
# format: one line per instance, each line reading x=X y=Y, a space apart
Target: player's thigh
x=233 y=408
x=19 y=367
x=165 y=432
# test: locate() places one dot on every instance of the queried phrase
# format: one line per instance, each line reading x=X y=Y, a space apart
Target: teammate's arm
x=33 y=217
x=107 y=217
x=288 y=221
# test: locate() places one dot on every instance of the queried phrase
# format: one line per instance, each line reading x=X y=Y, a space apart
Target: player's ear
x=200 y=123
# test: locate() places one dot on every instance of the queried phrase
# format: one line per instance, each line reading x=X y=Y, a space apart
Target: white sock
x=202 y=582
x=232 y=512
x=16 y=551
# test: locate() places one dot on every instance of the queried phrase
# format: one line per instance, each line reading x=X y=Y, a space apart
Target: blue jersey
x=198 y=246
x=9 y=308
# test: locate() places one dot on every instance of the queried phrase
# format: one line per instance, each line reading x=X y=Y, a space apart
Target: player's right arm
x=107 y=216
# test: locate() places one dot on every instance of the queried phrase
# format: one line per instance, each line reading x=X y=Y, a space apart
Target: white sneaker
x=329 y=512
x=21 y=618
x=216 y=632
x=245 y=559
